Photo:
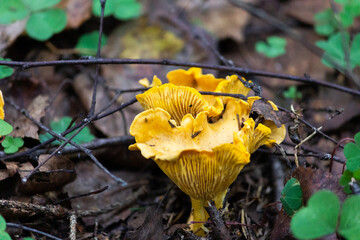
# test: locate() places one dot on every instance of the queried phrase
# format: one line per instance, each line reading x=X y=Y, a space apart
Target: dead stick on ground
x=218 y=226
x=59 y=212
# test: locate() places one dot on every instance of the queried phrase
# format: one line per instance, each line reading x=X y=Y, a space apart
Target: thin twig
x=239 y=70
x=303 y=141
x=15 y=225
x=311 y=126
x=59 y=149
x=60 y=212
x=96 y=81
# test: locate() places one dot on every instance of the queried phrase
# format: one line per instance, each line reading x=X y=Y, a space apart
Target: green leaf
x=40 y=4
x=2 y=224
x=28 y=238
x=352 y=154
x=347 y=189
x=345 y=178
x=87 y=43
x=42 y=25
x=274 y=47
x=318 y=218
x=5 y=128
x=4 y=236
x=325 y=23
x=11 y=144
x=121 y=9
x=357 y=174
x=60 y=126
x=291 y=196
x=109 y=8
x=334 y=49
x=5 y=71
x=350 y=218
x=11 y=11
x=127 y=9
x=292 y=93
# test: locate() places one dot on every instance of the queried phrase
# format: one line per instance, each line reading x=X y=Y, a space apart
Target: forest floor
x=70 y=197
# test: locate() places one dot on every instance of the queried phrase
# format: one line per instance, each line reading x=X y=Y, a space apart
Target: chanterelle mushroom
x=202 y=157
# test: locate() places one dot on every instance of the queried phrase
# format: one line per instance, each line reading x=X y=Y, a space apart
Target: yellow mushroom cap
x=177 y=101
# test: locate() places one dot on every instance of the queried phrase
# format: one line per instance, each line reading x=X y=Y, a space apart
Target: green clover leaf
x=60 y=126
x=318 y=218
x=88 y=42
x=120 y=9
x=350 y=218
x=42 y=25
x=2 y=224
x=274 y=47
x=325 y=23
x=5 y=71
x=292 y=93
x=291 y=196
x=321 y=217
x=12 y=144
x=5 y=236
x=352 y=154
x=5 y=128
x=11 y=11
x=334 y=49
x=345 y=179
x=127 y=9
x=38 y=5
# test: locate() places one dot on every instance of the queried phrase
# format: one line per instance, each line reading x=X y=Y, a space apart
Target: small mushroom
x=201 y=157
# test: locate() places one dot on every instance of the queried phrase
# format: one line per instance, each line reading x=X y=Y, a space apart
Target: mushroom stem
x=199 y=213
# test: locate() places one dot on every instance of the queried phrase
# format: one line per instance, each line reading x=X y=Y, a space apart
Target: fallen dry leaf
x=90 y=178
x=51 y=175
x=10 y=32
x=152 y=227
x=77 y=11
x=264 y=110
x=111 y=126
x=24 y=127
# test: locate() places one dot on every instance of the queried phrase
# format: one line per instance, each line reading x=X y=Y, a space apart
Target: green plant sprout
x=352 y=154
x=334 y=49
x=12 y=144
x=60 y=126
x=291 y=196
x=292 y=93
x=43 y=19
x=274 y=47
x=321 y=217
x=120 y=9
x=87 y=44
x=326 y=22
x=5 y=71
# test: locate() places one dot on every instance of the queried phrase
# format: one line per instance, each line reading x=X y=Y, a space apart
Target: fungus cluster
x=201 y=142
